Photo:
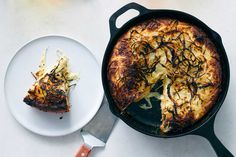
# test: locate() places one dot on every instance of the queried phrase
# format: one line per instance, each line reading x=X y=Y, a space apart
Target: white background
x=87 y=22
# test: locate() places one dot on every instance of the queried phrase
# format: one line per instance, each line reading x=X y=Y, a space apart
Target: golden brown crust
x=50 y=92
x=175 y=52
x=46 y=95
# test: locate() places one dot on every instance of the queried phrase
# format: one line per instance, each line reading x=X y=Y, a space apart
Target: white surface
x=18 y=80
x=87 y=22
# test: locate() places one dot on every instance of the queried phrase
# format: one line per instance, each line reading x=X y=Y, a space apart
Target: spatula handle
x=84 y=151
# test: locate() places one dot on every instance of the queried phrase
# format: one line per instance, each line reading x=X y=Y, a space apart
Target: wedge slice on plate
x=50 y=92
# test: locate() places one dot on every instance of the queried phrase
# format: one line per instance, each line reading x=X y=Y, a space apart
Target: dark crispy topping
x=183 y=54
x=46 y=95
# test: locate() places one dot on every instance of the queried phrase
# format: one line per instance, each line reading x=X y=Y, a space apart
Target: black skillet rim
x=216 y=39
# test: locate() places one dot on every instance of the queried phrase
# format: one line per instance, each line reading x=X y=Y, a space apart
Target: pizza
x=50 y=92
x=178 y=54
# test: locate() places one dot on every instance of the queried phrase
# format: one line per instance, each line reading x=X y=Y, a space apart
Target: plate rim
x=48 y=134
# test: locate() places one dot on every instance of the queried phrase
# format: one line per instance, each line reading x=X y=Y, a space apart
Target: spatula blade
x=100 y=126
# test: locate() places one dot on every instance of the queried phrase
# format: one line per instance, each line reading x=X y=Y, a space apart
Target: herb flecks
x=182 y=63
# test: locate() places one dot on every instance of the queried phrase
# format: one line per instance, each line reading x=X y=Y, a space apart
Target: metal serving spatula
x=96 y=132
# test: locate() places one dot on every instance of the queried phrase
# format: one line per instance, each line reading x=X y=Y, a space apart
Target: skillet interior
x=150 y=125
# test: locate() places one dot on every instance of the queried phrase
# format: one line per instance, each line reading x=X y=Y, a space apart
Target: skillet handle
x=207 y=131
x=113 y=18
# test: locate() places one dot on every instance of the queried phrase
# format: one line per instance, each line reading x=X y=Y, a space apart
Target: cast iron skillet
x=148 y=122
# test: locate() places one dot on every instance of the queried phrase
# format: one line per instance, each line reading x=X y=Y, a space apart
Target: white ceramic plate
x=85 y=98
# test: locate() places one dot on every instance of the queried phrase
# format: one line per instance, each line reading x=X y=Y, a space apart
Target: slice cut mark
x=175 y=52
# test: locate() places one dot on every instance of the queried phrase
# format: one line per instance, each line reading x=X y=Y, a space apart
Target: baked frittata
x=50 y=92
x=178 y=54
